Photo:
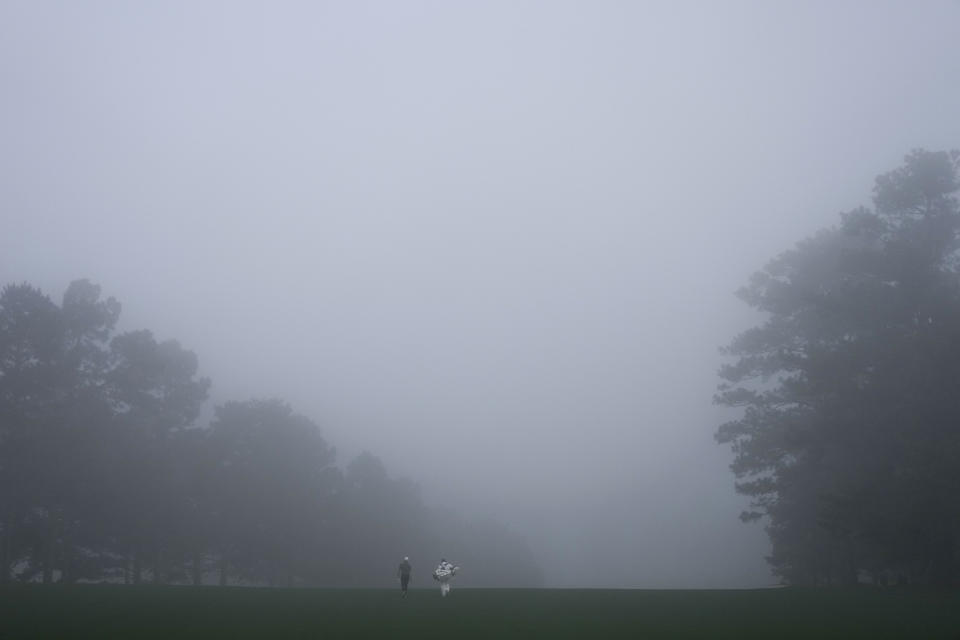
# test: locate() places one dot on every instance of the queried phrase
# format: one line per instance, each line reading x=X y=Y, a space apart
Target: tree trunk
x=137 y=569
x=197 y=570
x=223 y=571
x=5 y=548
x=942 y=561
x=48 y=543
x=67 y=560
x=158 y=568
x=851 y=571
x=66 y=566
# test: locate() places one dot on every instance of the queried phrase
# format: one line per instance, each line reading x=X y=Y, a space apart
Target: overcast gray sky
x=495 y=243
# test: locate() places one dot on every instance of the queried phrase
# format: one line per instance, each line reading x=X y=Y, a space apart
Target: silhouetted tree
x=51 y=369
x=849 y=440
x=156 y=397
x=104 y=474
x=29 y=332
x=274 y=478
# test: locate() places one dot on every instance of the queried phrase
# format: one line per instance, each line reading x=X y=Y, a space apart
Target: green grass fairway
x=94 y=611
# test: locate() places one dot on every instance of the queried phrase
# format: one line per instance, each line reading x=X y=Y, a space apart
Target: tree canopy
x=848 y=441
x=105 y=473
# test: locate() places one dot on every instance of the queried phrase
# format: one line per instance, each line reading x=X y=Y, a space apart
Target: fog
x=496 y=244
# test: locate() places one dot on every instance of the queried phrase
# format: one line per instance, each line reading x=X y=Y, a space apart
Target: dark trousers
x=404 y=581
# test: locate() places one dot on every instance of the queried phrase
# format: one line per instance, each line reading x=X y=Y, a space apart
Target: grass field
x=95 y=611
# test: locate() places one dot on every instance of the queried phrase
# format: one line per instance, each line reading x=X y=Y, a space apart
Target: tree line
x=105 y=474
x=848 y=441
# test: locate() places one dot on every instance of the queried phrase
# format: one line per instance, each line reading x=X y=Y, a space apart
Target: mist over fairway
x=495 y=244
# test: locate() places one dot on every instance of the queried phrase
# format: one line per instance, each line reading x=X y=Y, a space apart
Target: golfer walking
x=443 y=574
x=403 y=572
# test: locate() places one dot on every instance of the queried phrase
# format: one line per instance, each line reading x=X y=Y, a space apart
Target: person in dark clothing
x=403 y=572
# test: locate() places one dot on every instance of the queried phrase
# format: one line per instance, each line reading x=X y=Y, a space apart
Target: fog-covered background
x=494 y=243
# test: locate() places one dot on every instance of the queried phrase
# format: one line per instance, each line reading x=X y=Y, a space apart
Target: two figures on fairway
x=442 y=574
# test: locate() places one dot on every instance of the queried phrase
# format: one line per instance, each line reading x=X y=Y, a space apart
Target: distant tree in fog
x=104 y=474
x=849 y=440
x=29 y=331
x=52 y=361
x=156 y=396
x=272 y=485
